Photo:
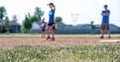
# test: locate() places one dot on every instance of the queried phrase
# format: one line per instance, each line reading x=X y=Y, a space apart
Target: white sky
x=88 y=10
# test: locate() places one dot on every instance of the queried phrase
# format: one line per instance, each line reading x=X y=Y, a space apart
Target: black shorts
x=53 y=26
x=50 y=24
x=43 y=30
x=105 y=26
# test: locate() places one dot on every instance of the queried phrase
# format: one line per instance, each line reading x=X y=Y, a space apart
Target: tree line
x=27 y=21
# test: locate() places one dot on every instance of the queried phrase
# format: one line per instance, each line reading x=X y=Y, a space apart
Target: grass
x=57 y=35
x=81 y=53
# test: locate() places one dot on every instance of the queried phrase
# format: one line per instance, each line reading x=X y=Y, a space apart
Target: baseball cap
x=50 y=3
x=105 y=5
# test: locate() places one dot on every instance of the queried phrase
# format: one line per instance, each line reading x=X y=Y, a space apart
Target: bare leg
x=102 y=32
x=42 y=35
x=47 y=31
x=108 y=31
x=53 y=32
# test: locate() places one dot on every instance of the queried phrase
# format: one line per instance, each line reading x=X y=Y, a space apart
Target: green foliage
x=38 y=13
x=2 y=12
x=33 y=18
x=24 y=30
x=0 y=26
x=82 y=53
x=58 y=19
x=7 y=24
x=27 y=23
x=92 y=27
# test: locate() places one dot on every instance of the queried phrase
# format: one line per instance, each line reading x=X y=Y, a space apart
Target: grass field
x=81 y=53
x=66 y=48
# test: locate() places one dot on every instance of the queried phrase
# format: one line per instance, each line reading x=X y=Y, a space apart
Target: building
x=84 y=29
x=14 y=27
x=35 y=28
x=77 y=29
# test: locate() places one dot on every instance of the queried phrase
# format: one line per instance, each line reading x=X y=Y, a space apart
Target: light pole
x=74 y=17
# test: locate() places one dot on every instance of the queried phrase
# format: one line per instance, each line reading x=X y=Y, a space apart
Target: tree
x=28 y=14
x=7 y=25
x=2 y=12
x=38 y=13
x=92 y=27
x=0 y=26
x=27 y=23
x=24 y=30
x=58 y=19
x=29 y=19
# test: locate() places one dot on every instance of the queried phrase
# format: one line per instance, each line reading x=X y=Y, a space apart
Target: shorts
x=105 y=26
x=53 y=26
x=50 y=24
x=43 y=30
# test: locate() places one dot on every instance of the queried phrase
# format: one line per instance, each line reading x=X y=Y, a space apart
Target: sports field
x=65 y=48
x=12 y=40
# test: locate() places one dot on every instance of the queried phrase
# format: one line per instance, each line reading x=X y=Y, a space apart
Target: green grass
x=81 y=53
x=57 y=35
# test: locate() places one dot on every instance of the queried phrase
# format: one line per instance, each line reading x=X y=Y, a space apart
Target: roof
x=11 y=22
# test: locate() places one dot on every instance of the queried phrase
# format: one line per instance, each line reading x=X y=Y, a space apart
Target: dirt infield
x=10 y=42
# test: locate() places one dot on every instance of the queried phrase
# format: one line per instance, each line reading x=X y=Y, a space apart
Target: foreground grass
x=82 y=53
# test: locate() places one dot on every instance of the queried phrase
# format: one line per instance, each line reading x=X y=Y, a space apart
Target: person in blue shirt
x=51 y=22
x=105 y=21
x=43 y=28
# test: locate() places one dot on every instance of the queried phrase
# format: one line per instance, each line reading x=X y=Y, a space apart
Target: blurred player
x=43 y=28
x=105 y=21
x=51 y=22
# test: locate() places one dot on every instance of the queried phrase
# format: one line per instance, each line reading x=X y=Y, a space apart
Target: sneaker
x=108 y=36
x=52 y=39
x=47 y=38
x=101 y=37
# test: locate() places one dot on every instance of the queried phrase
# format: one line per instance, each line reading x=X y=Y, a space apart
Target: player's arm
x=54 y=16
x=103 y=14
x=54 y=19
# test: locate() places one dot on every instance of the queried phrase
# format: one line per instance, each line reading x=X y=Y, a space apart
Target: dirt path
x=12 y=42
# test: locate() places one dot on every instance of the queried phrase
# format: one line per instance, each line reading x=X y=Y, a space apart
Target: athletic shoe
x=101 y=37
x=47 y=38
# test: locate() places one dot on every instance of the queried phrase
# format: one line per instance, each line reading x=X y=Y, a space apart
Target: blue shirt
x=105 y=19
x=51 y=16
x=43 y=26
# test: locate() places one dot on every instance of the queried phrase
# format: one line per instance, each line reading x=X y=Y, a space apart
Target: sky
x=72 y=11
